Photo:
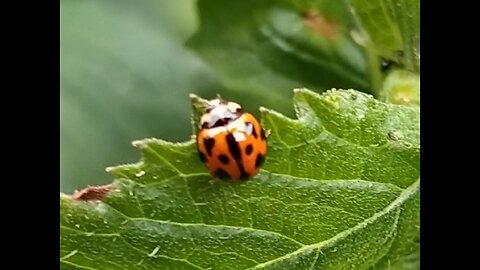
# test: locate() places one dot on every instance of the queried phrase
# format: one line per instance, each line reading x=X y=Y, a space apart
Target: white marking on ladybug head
x=219 y=109
x=222 y=112
x=205 y=119
x=215 y=102
x=239 y=136
x=215 y=131
x=236 y=126
x=233 y=107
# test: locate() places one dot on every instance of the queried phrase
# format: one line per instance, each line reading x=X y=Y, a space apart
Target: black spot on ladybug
x=209 y=143
x=233 y=147
x=223 y=158
x=262 y=135
x=254 y=132
x=202 y=156
x=221 y=122
x=243 y=174
x=222 y=174
x=259 y=161
x=249 y=149
x=236 y=153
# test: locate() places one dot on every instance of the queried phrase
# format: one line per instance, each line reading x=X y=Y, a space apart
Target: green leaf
x=393 y=28
x=264 y=48
x=339 y=189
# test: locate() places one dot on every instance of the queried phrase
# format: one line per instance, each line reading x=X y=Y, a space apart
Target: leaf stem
x=374 y=70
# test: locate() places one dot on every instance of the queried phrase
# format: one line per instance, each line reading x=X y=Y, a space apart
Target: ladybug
x=231 y=142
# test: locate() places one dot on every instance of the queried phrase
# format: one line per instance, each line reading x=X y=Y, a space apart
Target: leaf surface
x=339 y=190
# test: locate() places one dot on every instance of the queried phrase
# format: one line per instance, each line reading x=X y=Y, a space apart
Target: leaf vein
x=102 y=259
x=315 y=260
x=77 y=265
x=230 y=253
x=194 y=203
x=218 y=226
x=87 y=233
x=401 y=198
x=248 y=206
x=166 y=161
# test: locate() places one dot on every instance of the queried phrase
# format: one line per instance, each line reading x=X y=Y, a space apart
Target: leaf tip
x=64 y=197
x=300 y=90
x=263 y=109
x=267 y=112
x=193 y=97
x=138 y=144
x=304 y=92
x=302 y=95
x=197 y=101
x=144 y=143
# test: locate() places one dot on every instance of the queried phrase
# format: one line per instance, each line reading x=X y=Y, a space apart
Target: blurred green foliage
x=125 y=75
x=287 y=43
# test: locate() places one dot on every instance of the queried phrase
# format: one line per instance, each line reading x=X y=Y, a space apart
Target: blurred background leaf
x=393 y=29
x=125 y=75
x=263 y=49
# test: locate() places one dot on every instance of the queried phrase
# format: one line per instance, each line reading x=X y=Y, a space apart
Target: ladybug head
x=220 y=112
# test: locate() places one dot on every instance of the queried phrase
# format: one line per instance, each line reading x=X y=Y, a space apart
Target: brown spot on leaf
x=94 y=193
x=319 y=24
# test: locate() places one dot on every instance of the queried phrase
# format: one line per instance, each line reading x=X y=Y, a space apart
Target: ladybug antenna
x=222 y=101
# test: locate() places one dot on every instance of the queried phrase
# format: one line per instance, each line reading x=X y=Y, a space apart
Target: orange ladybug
x=231 y=142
